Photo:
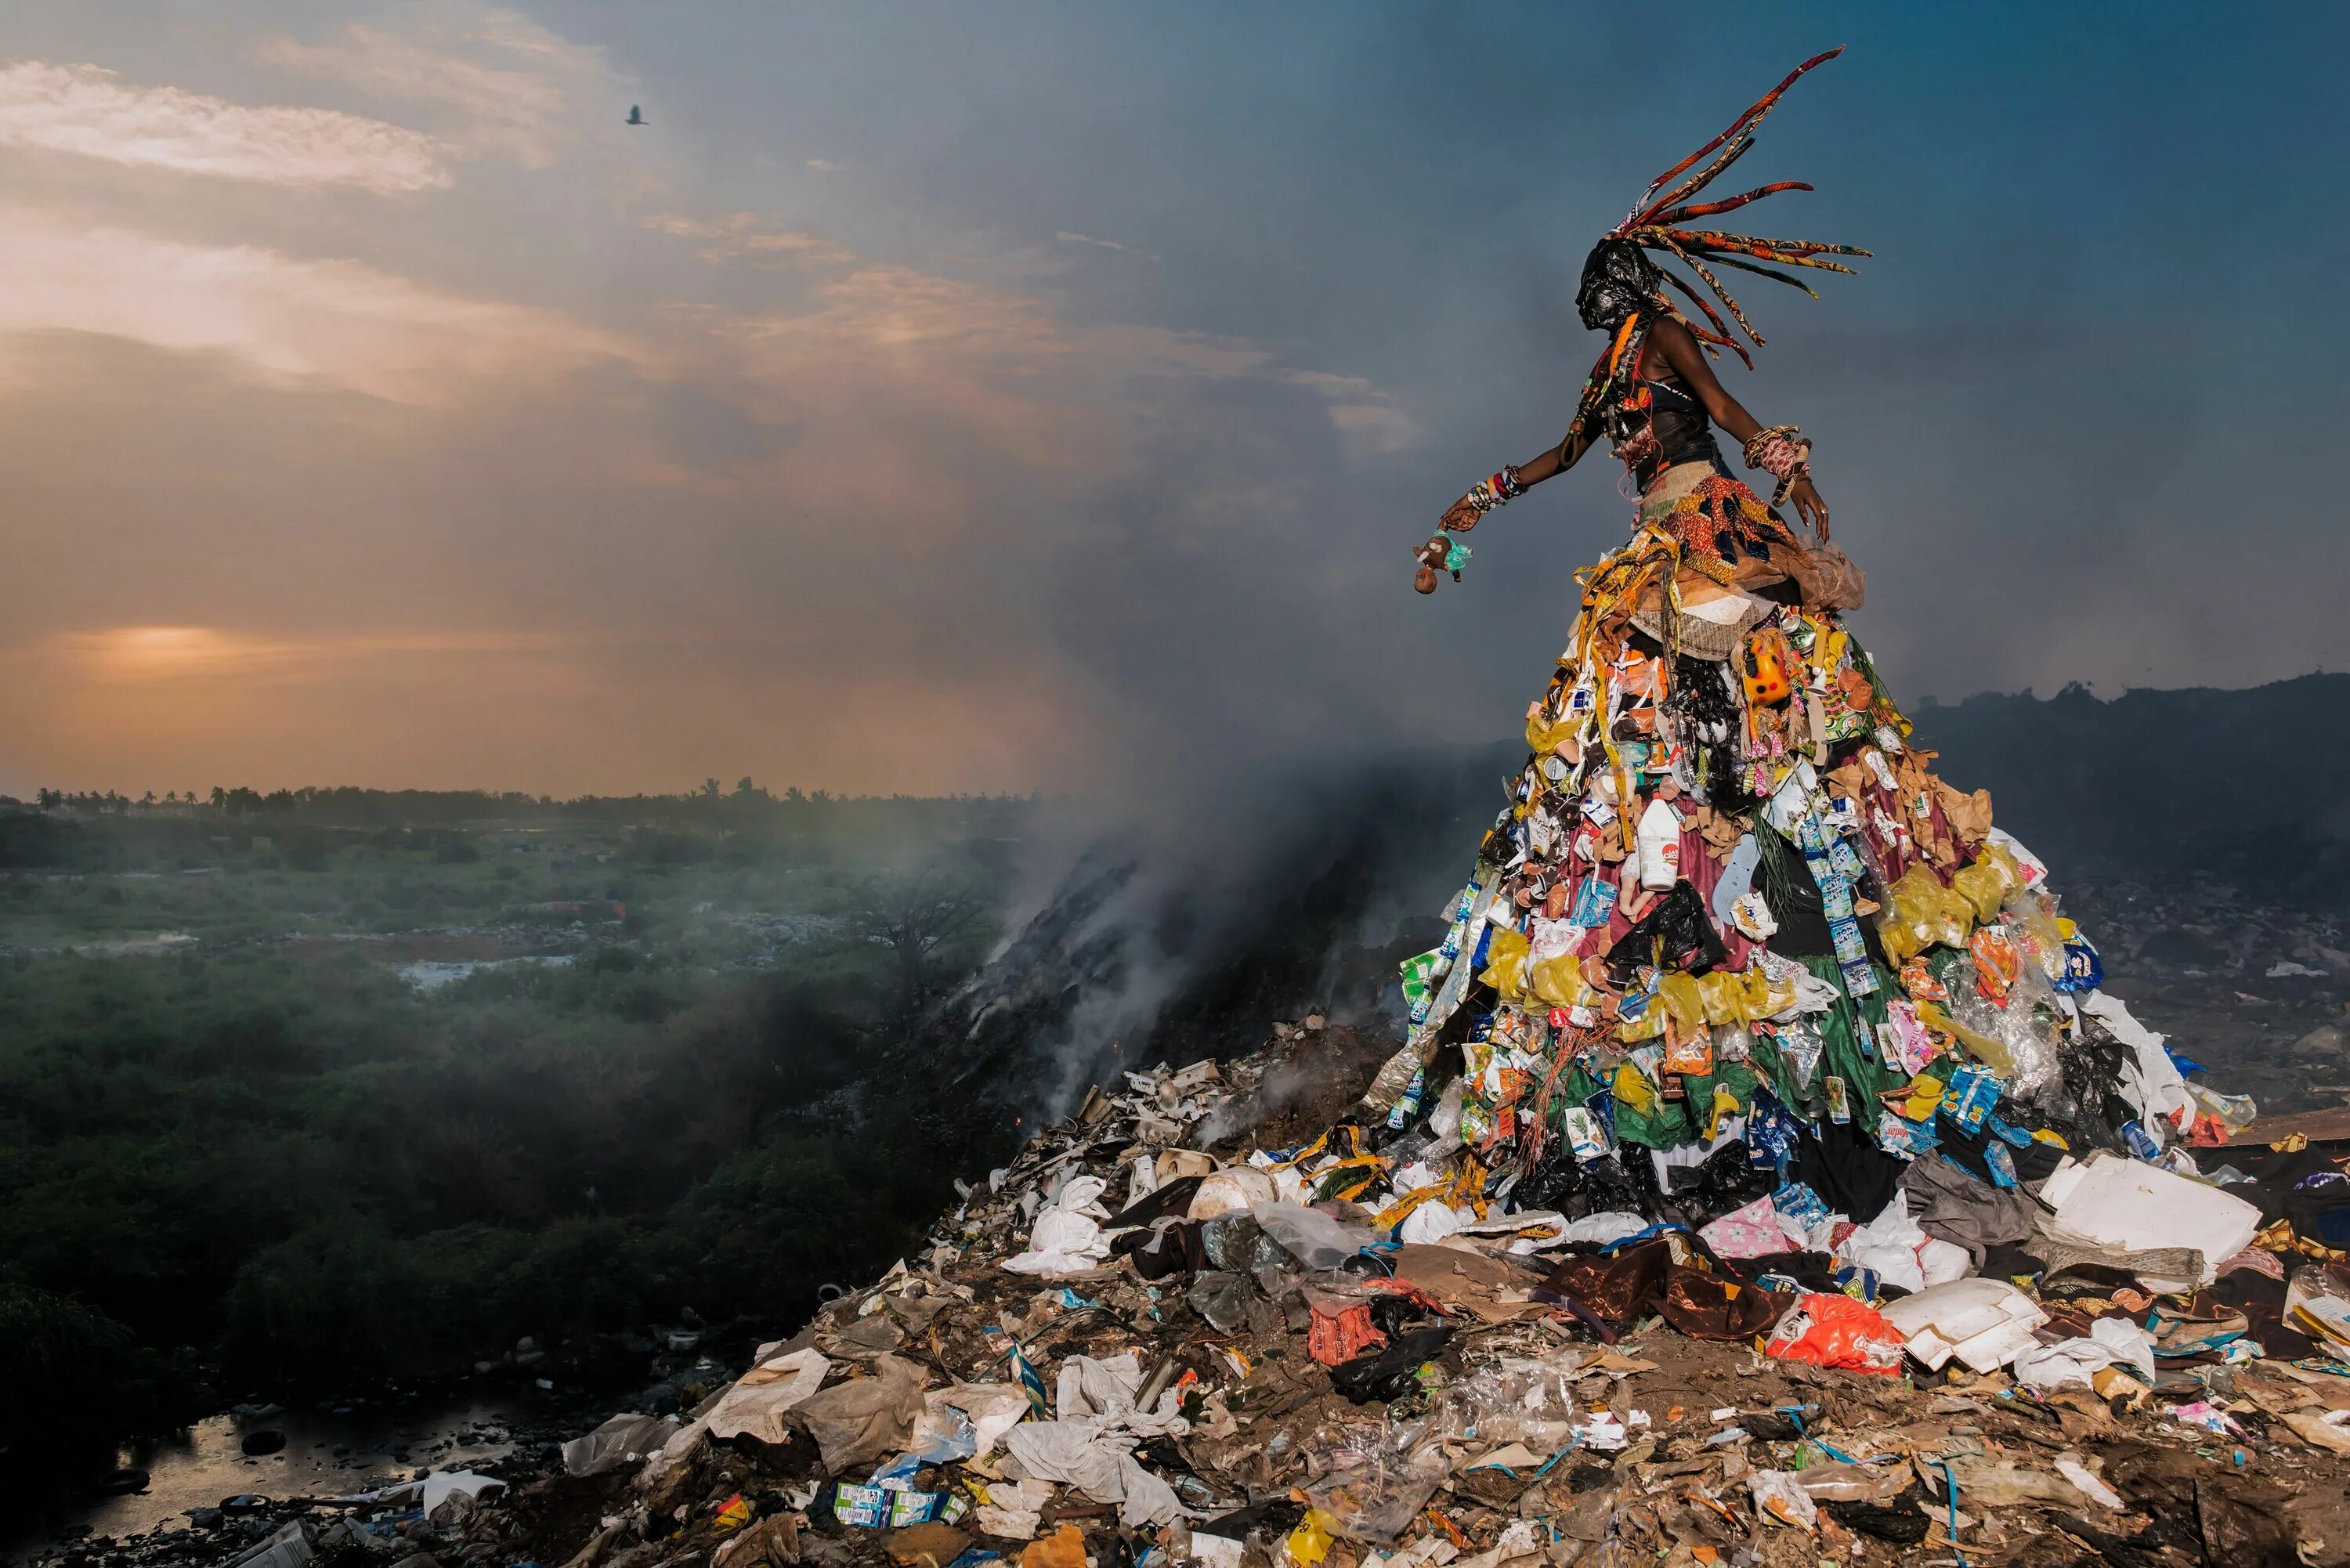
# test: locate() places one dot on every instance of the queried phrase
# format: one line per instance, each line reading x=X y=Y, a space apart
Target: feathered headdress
x=1657 y=223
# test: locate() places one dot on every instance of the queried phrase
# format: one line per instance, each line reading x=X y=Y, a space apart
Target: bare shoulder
x=1675 y=341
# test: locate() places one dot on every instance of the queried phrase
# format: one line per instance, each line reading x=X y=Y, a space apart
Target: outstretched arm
x=1680 y=350
x=1464 y=513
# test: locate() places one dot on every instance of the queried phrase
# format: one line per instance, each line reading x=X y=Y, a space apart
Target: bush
x=77 y=1383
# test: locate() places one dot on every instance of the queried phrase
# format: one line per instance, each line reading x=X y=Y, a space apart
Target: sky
x=1036 y=397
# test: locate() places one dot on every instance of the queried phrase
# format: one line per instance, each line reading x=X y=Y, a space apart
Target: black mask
x=1618 y=281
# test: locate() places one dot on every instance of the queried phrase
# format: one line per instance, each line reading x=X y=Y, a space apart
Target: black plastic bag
x=1676 y=934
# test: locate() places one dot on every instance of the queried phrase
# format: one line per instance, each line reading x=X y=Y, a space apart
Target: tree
x=914 y=914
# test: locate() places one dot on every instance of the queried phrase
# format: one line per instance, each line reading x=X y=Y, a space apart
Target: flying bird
x=636 y=117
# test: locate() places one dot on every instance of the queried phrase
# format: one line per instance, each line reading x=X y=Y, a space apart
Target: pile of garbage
x=1186 y=1326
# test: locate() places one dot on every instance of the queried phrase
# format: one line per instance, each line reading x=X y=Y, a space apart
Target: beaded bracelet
x=1488 y=493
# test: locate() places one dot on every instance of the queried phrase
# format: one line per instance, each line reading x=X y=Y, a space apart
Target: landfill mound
x=1175 y=1331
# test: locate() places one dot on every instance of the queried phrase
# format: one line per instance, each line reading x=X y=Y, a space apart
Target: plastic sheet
x=1373 y=1480
x=1317 y=1240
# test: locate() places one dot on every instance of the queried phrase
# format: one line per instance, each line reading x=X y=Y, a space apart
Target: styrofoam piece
x=2137 y=1206
x=1984 y=1323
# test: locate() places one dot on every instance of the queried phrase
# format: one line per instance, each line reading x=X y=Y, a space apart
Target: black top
x=1684 y=433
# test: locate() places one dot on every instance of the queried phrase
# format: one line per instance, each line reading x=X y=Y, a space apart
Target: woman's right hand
x=1461 y=517
x=1809 y=506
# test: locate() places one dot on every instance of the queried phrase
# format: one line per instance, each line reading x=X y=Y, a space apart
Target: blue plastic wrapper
x=1025 y=1373
x=1594 y=901
x=2082 y=969
x=2008 y=1133
x=1798 y=1202
x=1904 y=1138
x=1971 y=1093
x=877 y=1507
x=1772 y=1133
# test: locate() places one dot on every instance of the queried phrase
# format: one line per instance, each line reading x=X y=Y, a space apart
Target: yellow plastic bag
x=1919 y=912
x=1505 y=962
x=1633 y=1090
x=1559 y=983
x=1310 y=1542
x=1742 y=998
x=1682 y=1003
x=1987 y=883
x=1544 y=737
x=1990 y=1053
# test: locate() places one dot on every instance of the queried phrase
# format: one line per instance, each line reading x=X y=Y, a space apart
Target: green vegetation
x=305 y=1096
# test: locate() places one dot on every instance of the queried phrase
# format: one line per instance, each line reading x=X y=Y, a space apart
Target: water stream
x=329 y=1453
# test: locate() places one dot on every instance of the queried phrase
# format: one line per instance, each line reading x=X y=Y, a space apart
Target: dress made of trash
x=1733 y=954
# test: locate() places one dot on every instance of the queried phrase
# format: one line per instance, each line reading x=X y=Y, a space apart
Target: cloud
x=143 y=655
x=514 y=88
x=1365 y=415
x=87 y=110
x=745 y=237
x=1069 y=237
x=828 y=166
x=889 y=362
x=884 y=340
x=341 y=322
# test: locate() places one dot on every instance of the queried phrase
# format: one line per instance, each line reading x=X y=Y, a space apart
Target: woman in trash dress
x=1727 y=901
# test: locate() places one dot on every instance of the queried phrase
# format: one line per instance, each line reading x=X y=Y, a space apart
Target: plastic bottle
x=1660 y=847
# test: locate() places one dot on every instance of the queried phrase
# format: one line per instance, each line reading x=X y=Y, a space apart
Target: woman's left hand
x=1809 y=506
x=1461 y=516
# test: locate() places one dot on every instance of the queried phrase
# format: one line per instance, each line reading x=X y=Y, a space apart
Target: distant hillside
x=2251 y=786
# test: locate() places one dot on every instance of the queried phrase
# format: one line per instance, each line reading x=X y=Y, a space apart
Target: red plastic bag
x=1836 y=1331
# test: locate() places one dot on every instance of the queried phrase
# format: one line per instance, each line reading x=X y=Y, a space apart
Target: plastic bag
x=1514 y=1400
x=1919 y=912
x=1824 y=574
x=1741 y=996
x=1836 y=1331
x=1372 y=1481
x=1779 y=1495
x=1559 y=983
x=1221 y=1298
x=1675 y=935
x=1988 y=883
x=1317 y=1240
x=1506 y=956
x=1681 y=1008
x=2237 y=1112
x=1231 y=1242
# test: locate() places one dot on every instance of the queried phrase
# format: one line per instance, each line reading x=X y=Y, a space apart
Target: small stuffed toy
x=1439 y=555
